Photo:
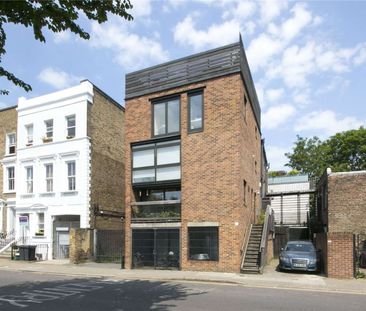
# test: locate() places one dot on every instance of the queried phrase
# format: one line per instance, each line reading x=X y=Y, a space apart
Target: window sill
x=39 y=237
x=9 y=191
x=69 y=192
x=27 y=195
x=10 y=155
x=47 y=194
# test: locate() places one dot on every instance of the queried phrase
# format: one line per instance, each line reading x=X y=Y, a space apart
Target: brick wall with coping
x=340 y=259
x=106 y=130
x=214 y=164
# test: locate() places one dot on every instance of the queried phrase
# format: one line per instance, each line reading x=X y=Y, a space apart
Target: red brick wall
x=340 y=255
x=347 y=202
x=214 y=164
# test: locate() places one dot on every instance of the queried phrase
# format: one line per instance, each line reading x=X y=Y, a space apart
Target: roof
x=8 y=108
x=222 y=61
x=288 y=179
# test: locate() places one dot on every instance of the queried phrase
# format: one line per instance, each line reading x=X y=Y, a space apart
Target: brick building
x=193 y=162
x=8 y=129
x=341 y=212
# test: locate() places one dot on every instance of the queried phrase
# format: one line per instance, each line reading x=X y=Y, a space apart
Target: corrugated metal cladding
x=195 y=68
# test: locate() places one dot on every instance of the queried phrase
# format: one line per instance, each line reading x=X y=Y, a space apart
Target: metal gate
x=62 y=245
x=360 y=253
x=109 y=246
x=155 y=248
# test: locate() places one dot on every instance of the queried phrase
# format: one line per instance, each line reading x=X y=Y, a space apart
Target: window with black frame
x=204 y=243
x=166 y=117
x=195 y=111
x=157 y=162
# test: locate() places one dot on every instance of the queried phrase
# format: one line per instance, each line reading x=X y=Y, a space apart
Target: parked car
x=299 y=255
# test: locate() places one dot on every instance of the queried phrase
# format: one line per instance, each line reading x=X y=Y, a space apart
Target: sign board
x=23 y=220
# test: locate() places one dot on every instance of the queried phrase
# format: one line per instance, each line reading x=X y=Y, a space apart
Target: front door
x=155 y=248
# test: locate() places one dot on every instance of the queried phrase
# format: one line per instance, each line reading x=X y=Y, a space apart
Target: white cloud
x=293 y=26
x=131 y=50
x=240 y=10
x=326 y=123
x=58 y=79
x=274 y=95
x=276 y=157
x=270 y=9
x=277 y=115
x=141 y=8
x=61 y=37
x=185 y=33
x=262 y=49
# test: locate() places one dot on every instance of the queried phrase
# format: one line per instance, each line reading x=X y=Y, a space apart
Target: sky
x=308 y=59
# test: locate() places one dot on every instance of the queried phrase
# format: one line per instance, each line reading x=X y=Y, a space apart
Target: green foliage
x=344 y=151
x=57 y=16
x=276 y=173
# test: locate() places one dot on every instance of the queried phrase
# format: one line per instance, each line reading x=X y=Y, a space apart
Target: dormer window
x=11 y=143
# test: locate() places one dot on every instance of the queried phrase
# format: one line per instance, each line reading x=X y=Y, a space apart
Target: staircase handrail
x=267 y=227
x=245 y=244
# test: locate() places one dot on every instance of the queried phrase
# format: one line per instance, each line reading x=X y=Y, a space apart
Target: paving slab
x=269 y=279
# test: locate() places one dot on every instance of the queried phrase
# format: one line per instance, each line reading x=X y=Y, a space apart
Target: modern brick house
x=69 y=168
x=8 y=130
x=193 y=162
x=341 y=208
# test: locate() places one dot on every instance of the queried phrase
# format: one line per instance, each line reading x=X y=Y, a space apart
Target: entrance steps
x=251 y=262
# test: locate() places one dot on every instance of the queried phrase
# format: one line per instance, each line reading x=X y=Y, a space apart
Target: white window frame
x=29 y=181
x=49 y=130
x=70 y=127
x=71 y=178
x=8 y=179
x=49 y=178
x=29 y=141
x=40 y=225
x=9 y=145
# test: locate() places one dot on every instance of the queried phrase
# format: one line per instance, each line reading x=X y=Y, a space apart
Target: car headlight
x=285 y=259
x=313 y=261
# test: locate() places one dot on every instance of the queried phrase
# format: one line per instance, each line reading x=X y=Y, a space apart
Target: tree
x=344 y=151
x=57 y=16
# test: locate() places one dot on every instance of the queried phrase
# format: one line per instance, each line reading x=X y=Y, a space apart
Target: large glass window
x=71 y=176
x=195 y=111
x=29 y=181
x=158 y=194
x=203 y=243
x=11 y=143
x=156 y=162
x=11 y=178
x=166 y=117
x=49 y=177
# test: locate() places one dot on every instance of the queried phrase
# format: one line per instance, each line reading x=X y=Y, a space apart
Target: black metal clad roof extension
x=195 y=68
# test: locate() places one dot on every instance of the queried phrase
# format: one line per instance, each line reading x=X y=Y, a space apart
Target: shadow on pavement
x=94 y=294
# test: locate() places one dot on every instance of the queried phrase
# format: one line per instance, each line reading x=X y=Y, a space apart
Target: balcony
x=156 y=211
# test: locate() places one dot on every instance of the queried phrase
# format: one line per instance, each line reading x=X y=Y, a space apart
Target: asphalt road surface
x=31 y=291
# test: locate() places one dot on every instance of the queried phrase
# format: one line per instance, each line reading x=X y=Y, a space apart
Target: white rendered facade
x=52 y=166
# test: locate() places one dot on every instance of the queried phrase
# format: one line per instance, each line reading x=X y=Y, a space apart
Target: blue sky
x=308 y=59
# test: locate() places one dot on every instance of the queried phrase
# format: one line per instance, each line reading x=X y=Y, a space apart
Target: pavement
x=269 y=279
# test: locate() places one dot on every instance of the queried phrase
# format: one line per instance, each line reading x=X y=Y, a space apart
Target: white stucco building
x=53 y=168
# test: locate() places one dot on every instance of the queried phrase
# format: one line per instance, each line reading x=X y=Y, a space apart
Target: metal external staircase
x=251 y=258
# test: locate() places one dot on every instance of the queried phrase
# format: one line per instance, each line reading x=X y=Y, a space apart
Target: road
x=31 y=291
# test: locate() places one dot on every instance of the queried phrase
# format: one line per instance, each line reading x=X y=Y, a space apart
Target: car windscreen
x=300 y=248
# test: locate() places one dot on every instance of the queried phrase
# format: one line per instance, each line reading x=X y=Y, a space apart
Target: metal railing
x=268 y=227
x=169 y=212
x=244 y=246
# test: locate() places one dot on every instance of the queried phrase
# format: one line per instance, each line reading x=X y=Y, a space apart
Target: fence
x=109 y=246
x=360 y=253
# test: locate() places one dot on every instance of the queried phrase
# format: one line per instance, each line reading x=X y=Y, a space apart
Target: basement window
x=204 y=243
